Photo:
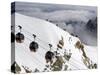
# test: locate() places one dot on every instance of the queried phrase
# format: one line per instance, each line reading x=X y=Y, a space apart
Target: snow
x=46 y=33
x=92 y=53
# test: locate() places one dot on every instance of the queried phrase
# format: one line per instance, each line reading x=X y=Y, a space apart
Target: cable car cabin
x=12 y=37
x=49 y=56
x=19 y=37
x=33 y=46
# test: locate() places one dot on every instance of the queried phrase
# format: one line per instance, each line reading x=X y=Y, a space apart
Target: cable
x=42 y=47
x=43 y=42
x=46 y=49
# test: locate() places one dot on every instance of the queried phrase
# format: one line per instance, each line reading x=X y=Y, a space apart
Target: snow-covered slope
x=47 y=33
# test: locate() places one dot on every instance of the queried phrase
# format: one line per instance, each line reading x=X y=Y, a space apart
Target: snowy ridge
x=47 y=33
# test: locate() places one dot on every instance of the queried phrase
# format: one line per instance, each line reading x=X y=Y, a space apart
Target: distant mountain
x=92 y=26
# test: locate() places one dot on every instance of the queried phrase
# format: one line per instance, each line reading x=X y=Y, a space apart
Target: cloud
x=62 y=14
x=67 y=15
x=56 y=12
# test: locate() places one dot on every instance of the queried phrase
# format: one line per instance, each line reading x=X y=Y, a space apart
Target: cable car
x=19 y=36
x=49 y=55
x=12 y=36
x=33 y=45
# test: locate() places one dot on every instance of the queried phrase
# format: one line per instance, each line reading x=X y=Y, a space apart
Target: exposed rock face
x=15 y=68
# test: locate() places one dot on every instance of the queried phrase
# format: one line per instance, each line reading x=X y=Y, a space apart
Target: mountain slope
x=47 y=33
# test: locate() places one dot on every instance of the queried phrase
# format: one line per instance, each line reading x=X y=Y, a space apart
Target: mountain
x=74 y=54
x=92 y=26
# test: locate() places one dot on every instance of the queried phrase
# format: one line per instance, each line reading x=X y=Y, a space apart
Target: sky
x=62 y=14
x=55 y=11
